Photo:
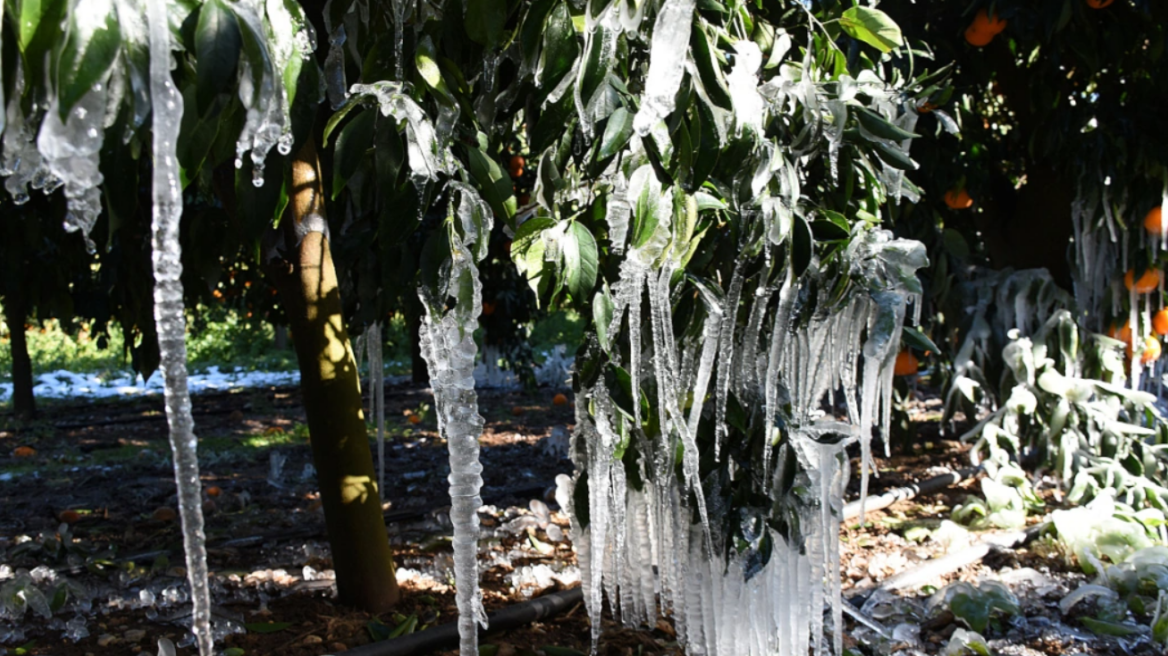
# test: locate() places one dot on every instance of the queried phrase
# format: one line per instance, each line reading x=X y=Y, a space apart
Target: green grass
x=223 y=338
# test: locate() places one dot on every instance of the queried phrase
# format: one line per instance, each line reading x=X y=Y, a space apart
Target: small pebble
x=105 y=640
x=313 y=640
x=338 y=646
x=134 y=635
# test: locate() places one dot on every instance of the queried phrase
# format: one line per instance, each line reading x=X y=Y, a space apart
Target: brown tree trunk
x=15 y=311
x=307 y=284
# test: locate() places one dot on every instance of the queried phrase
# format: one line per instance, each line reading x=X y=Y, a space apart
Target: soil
x=108 y=463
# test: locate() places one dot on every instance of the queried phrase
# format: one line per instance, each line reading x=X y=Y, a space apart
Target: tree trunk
x=307 y=284
x=15 y=311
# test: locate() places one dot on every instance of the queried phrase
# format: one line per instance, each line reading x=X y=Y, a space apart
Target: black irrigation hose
x=940 y=482
x=445 y=636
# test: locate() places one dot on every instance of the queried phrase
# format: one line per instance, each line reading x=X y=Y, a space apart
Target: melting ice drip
x=373 y=344
x=642 y=547
x=447 y=337
x=168 y=314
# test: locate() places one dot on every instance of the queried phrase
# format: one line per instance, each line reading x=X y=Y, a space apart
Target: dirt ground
x=104 y=469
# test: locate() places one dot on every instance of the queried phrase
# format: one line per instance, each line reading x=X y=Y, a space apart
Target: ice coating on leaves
x=743 y=82
x=334 y=67
x=726 y=598
x=666 y=60
x=267 y=121
x=428 y=155
x=168 y=314
x=71 y=153
x=22 y=164
x=447 y=338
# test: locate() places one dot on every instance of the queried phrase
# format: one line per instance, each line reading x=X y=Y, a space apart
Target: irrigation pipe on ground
x=882 y=501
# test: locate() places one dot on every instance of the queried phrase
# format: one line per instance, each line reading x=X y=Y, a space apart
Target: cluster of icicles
x=1097 y=238
x=641 y=547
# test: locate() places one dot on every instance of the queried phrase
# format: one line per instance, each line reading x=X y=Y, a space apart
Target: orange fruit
x=1099 y=4
x=164 y=514
x=906 y=364
x=1122 y=334
x=925 y=107
x=977 y=37
x=517 y=411
x=1151 y=350
x=68 y=516
x=958 y=199
x=983 y=22
x=214 y=491
x=1147 y=282
x=488 y=308
x=1154 y=221
x=24 y=452
x=515 y=166
x=1160 y=322
x=273 y=430
x=414 y=419
x=560 y=399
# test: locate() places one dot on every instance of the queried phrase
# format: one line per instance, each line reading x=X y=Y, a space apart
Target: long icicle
x=168 y=315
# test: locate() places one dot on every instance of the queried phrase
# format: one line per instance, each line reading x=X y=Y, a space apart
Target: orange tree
x=1045 y=148
x=717 y=216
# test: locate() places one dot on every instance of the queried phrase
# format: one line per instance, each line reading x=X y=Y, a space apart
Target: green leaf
x=426 y=61
x=894 y=157
x=493 y=183
x=916 y=339
x=580 y=260
x=485 y=20
x=527 y=250
x=28 y=19
x=352 y=144
x=1103 y=627
x=89 y=51
x=873 y=27
x=560 y=47
x=709 y=73
x=974 y=612
x=266 y=627
x=880 y=126
x=616 y=134
x=234 y=651
x=197 y=135
x=217 y=46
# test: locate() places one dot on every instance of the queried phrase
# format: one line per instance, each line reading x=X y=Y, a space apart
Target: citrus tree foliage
x=1046 y=150
x=729 y=162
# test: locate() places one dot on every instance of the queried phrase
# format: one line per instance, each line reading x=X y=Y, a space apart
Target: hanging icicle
x=448 y=345
x=167 y=112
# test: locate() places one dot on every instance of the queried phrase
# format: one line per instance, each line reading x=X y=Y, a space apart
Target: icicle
x=71 y=152
x=334 y=67
x=671 y=34
x=743 y=83
x=726 y=355
x=374 y=343
x=448 y=345
x=168 y=314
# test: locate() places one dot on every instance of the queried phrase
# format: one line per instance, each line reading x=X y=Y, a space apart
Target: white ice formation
x=448 y=345
x=167 y=105
x=658 y=531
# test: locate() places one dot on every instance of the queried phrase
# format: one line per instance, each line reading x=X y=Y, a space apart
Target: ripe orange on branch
x=1099 y=4
x=984 y=28
x=958 y=199
x=906 y=364
x=1151 y=350
x=1147 y=282
x=1154 y=221
x=1160 y=322
x=560 y=399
